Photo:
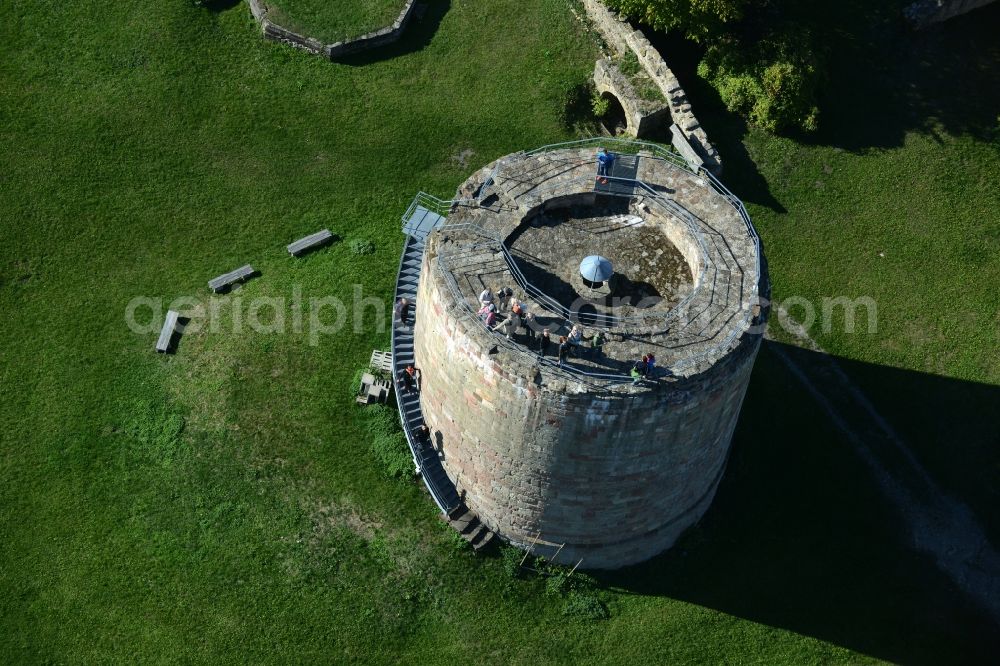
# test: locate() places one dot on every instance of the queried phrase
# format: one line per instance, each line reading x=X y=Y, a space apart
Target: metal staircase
x=422 y=217
x=424 y=456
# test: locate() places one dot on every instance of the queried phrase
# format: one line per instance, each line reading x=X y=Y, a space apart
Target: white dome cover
x=596 y=268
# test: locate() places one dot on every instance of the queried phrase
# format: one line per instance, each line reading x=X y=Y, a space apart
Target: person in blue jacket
x=604 y=160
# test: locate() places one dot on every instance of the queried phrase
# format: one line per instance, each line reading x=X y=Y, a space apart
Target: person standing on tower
x=604 y=161
x=597 y=343
x=563 y=349
x=543 y=342
x=529 y=324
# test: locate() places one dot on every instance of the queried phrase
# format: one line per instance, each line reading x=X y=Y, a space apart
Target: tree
x=765 y=66
x=773 y=83
x=697 y=19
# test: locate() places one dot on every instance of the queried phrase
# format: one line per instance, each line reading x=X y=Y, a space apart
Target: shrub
x=789 y=92
x=697 y=19
x=557 y=584
x=585 y=606
x=382 y=420
x=393 y=453
x=773 y=84
x=600 y=104
x=768 y=71
x=362 y=246
x=510 y=560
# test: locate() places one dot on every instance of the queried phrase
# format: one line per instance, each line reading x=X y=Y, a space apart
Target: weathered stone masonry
x=621 y=37
x=614 y=474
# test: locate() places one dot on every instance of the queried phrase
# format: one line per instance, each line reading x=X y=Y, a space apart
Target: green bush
x=382 y=420
x=773 y=84
x=697 y=19
x=362 y=246
x=600 y=104
x=393 y=453
x=766 y=70
x=585 y=606
x=510 y=560
x=557 y=584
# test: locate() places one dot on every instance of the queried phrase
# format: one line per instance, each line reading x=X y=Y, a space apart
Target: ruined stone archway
x=642 y=116
x=616 y=118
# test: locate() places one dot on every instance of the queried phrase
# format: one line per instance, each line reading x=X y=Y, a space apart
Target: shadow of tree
x=885 y=79
x=800 y=537
x=882 y=80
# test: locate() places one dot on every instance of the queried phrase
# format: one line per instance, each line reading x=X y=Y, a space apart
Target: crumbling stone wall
x=641 y=116
x=614 y=474
x=379 y=37
x=620 y=36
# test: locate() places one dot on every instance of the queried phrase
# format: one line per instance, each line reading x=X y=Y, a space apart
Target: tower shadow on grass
x=418 y=33
x=801 y=537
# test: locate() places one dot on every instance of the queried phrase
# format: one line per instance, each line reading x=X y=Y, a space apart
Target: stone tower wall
x=615 y=476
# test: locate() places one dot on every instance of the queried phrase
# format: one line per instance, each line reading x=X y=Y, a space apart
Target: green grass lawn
x=222 y=504
x=334 y=21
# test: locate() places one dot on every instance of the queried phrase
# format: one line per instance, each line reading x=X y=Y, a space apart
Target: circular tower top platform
x=686 y=261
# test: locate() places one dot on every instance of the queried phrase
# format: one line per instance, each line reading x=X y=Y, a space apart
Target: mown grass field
x=332 y=22
x=222 y=504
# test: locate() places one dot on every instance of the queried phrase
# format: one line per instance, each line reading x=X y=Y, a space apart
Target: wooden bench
x=167 y=332
x=225 y=281
x=309 y=242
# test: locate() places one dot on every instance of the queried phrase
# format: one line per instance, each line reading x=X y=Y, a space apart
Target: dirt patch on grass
x=328 y=516
x=462 y=157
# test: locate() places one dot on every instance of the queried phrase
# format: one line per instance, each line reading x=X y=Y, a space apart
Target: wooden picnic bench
x=225 y=281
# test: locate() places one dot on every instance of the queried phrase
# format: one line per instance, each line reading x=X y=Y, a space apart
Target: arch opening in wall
x=614 y=119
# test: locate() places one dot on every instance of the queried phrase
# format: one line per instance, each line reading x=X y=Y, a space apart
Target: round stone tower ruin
x=583 y=459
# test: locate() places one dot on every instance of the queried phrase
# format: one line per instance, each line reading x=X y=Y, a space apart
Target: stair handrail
x=415 y=448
